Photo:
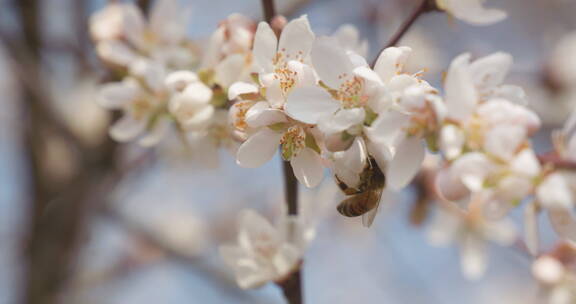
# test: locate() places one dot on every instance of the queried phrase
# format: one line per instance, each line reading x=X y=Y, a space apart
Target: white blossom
x=263 y=253
x=472 y=11
x=470 y=231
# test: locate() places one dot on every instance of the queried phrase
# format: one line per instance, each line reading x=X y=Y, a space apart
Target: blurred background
x=146 y=224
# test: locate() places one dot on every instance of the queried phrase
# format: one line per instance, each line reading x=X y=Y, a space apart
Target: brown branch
x=269 y=10
x=423 y=7
x=554 y=160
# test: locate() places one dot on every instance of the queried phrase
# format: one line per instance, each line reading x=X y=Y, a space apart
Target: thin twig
x=424 y=6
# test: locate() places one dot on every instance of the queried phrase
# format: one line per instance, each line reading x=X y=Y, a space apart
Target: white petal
x=503 y=141
x=555 y=193
x=341 y=121
x=406 y=163
x=526 y=163
x=491 y=70
x=115 y=95
x=296 y=39
x=461 y=94
x=451 y=141
x=387 y=127
x=229 y=70
x=350 y=163
x=265 y=46
x=179 y=80
x=253 y=227
x=240 y=88
x=472 y=169
x=368 y=74
x=473 y=12
x=197 y=92
x=391 y=61
x=152 y=73
x=127 y=128
x=473 y=258
x=307 y=166
x=134 y=24
x=331 y=62
x=260 y=115
x=309 y=104
x=116 y=52
x=548 y=270
x=258 y=149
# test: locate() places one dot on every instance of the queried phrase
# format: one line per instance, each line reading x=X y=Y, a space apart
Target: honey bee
x=365 y=198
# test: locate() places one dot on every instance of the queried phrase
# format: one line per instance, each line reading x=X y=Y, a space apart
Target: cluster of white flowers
x=164 y=81
x=318 y=101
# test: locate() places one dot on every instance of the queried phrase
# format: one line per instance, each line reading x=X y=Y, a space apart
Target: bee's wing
x=368 y=217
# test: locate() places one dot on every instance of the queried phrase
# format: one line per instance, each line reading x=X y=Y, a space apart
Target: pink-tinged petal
x=390 y=61
x=307 y=166
x=127 y=128
x=473 y=257
x=115 y=95
x=531 y=228
x=261 y=115
x=564 y=223
x=296 y=39
x=265 y=47
x=461 y=94
x=309 y=104
x=342 y=120
x=230 y=70
x=331 y=62
x=491 y=70
x=258 y=149
x=240 y=88
x=406 y=163
x=555 y=193
x=350 y=163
